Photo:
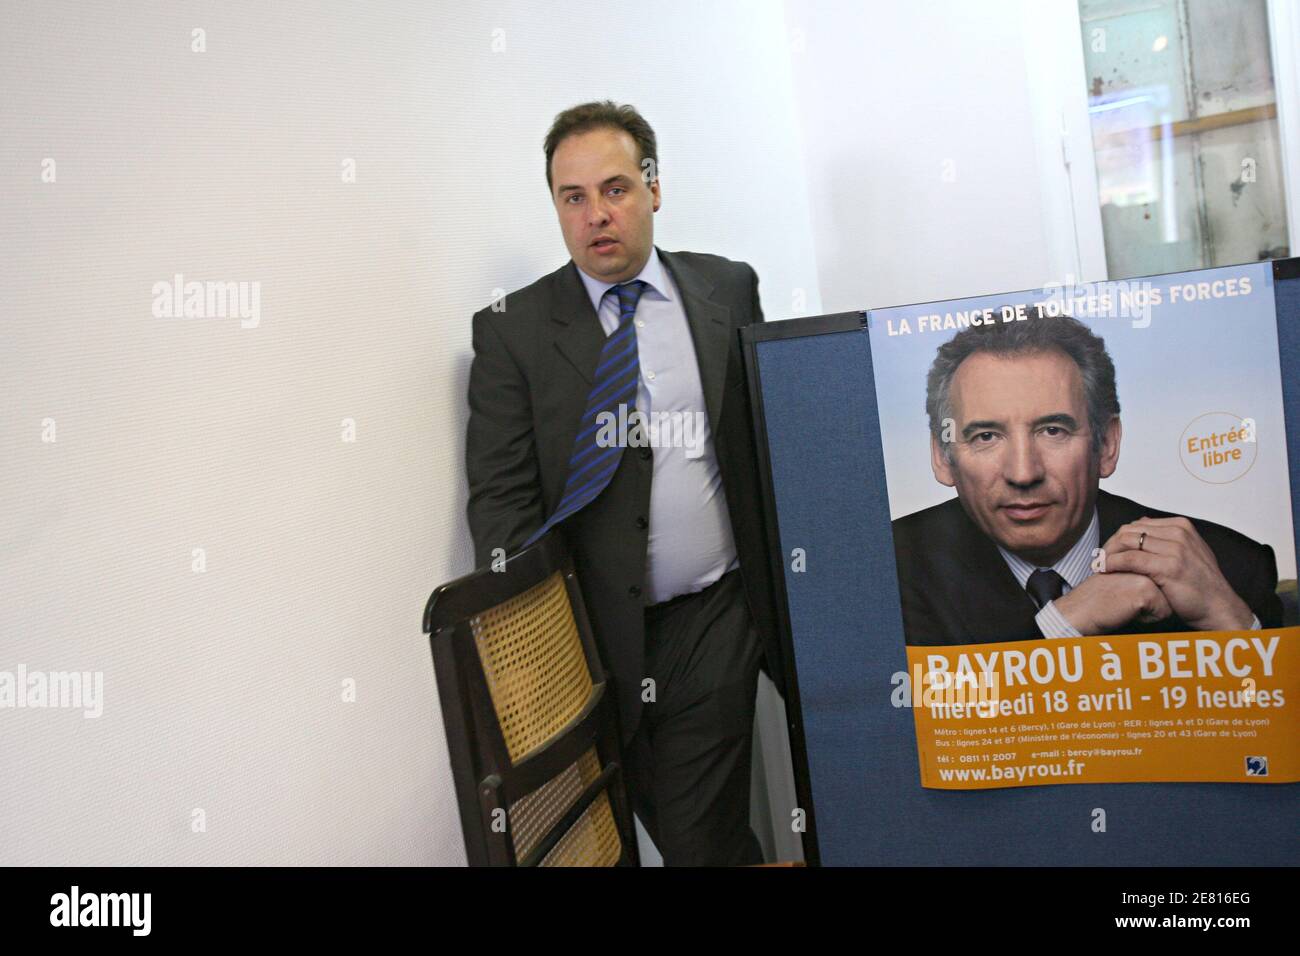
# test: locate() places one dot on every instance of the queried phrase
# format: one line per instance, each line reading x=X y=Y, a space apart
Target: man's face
x=606 y=209
x=1023 y=462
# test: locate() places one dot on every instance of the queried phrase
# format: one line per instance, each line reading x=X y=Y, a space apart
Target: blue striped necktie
x=592 y=466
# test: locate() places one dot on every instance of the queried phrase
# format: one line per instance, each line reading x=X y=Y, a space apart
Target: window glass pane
x=1184 y=128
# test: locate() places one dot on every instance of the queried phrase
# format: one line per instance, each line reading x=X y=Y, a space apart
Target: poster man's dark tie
x=592 y=465
x=1045 y=585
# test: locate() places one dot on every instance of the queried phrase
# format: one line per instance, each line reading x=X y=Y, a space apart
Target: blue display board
x=855 y=752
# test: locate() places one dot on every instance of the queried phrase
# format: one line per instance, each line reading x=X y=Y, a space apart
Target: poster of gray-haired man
x=1024 y=424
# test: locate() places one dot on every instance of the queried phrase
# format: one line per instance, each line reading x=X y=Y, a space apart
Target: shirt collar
x=1074 y=566
x=652 y=274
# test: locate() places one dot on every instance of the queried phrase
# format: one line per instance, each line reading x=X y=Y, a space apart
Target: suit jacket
x=957 y=589
x=532 y=371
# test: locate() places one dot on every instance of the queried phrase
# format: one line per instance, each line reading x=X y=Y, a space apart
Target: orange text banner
x=1208 y=706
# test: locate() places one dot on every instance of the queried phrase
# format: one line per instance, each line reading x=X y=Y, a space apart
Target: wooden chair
x=530 y=721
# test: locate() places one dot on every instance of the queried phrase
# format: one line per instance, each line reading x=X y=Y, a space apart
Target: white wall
x=1284 y=35
x=926 y=150
x=222 y=689
x=948 y=147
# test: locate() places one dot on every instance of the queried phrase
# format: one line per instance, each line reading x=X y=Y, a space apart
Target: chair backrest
x=531 y=726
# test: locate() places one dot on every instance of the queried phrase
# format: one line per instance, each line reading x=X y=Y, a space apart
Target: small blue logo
x=1256 y=766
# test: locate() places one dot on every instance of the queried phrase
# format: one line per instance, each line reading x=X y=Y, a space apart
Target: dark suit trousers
x=688 y=764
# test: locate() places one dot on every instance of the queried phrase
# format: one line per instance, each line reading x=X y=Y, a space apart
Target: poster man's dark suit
x=957 y=589
x=533 y=369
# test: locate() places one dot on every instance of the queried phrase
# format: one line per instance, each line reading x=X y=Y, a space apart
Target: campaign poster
x=1092 y=527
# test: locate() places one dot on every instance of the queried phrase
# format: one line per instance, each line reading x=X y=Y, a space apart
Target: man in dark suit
x=1024 y=422
x=664 y=525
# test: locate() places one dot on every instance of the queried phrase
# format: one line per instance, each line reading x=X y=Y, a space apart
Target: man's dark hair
x=604 y=113
x=1038 y=333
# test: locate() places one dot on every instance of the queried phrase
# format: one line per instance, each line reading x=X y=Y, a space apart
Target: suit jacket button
x=634 y=590
x=645 y=454
x=641 y=522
